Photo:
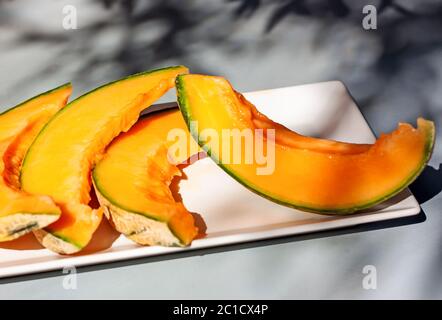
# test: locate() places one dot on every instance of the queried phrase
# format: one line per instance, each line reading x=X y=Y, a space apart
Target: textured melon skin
x=59 y=241
x=23 y=213
x=19 y=224
x=427 y=126
x=136 y=226
x=56 y=243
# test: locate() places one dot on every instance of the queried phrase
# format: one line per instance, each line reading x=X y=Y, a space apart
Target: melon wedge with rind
x=20 y=212
x=143 y=161
x=60 y=160
x=310 y=174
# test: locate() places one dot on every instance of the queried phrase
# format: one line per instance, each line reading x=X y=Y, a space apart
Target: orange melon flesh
x=14 y=120
x=59 y=161
x=133 y=180
x=21 y=212
x=310 y=174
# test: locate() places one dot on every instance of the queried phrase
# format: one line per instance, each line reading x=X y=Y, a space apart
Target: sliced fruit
x=20 y=212
x=59 y=161
x=309 y=174
x=141 y=205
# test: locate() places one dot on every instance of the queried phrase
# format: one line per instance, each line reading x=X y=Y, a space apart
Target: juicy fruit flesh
x=140 y=162
x=309 y=173
x=291 y=139
x=12 y=199
x=59 y=161
x=19 y=128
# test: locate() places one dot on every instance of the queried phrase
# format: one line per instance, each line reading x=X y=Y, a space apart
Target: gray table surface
x=37 y=54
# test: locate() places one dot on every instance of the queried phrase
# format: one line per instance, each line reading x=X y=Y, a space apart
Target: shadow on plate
x=26 y=242
x=421 y=217
x=427 y=186
x=103 y=239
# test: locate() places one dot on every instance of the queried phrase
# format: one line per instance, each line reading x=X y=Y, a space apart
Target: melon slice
x=310 y=174
x=20 y=212
x=141 y=205
x=59 y=161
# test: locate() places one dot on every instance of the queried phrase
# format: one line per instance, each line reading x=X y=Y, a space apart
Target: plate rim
x=137 y=252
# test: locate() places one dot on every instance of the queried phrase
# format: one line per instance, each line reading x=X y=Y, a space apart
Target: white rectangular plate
x=232 y=213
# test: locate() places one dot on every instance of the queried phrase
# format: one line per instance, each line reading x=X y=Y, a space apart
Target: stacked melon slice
x=22 y=212
x=49 y=152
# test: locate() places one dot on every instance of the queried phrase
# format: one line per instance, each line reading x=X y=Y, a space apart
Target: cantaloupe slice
x=20 y=212
x=309 y=174
x=59 y=161
x=133 y=180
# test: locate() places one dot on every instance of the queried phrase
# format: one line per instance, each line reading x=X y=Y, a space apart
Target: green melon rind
x=18 y=224
x=184 y=105
x=116 y=213
x=58 y=243
x=63 y=86
x=112 y=205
